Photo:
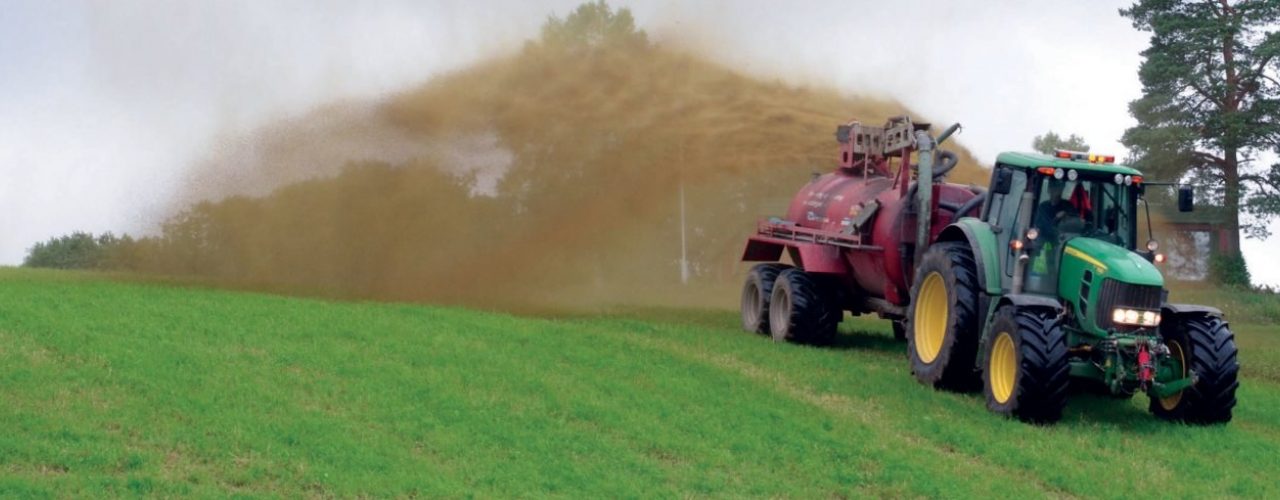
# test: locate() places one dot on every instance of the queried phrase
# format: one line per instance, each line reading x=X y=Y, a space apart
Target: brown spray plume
x=550 y=176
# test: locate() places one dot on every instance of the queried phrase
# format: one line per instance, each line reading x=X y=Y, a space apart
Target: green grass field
x=114 y=389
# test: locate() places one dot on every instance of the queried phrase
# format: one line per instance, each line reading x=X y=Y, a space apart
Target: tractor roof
x=1036 y=160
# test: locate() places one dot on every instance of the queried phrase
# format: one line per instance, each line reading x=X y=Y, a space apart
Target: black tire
x=1207 y=343
x=947 y=363
x=800 y=311
x=1036 y=351
x=756 y=293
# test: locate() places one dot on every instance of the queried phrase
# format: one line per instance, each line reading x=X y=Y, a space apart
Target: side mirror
x=1186 y=199
x=1003 y=182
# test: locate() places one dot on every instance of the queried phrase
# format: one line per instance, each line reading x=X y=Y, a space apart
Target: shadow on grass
x=1086 y=409
x=863 y=340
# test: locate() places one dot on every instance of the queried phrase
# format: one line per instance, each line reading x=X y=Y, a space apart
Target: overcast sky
x=104 y=105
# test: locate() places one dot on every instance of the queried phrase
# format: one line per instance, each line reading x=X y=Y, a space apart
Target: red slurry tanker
x=1020 y=288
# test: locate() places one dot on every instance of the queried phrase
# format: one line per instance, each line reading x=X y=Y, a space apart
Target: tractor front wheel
x=756 y=293
x=1026 y=371
x=1203 y=344
x=801 y=310
x=942 y=321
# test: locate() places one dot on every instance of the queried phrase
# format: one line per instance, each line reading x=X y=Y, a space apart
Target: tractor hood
x=1110 y=261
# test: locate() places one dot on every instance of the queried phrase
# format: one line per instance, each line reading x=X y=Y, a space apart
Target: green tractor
x=1035 y=283
x=1049 y=286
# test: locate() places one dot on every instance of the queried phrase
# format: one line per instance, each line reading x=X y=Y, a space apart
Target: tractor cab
x=1067 y=238
x=1069 y=204
x=1043 y=203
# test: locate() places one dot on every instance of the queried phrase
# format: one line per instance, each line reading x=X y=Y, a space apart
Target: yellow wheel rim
x=930 y=322
x=1003 y=369
x=1175 y=350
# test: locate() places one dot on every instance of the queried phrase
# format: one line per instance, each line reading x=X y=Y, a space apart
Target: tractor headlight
x=1126 y=316
x=1057 y=173
x=1153 y=245
x=1033 y=233
x=1119 y=179
x=1150 y=318
x=1072 y=175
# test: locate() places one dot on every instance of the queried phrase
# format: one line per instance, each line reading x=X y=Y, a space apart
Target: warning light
x=1078 y=156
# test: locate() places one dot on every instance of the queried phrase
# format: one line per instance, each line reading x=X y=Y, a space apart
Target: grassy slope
x=110 y=388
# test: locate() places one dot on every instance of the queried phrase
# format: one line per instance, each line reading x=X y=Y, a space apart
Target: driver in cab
x=1061 y=215
x=1065 y=211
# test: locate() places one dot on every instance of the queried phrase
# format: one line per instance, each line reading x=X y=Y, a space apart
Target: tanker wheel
x=1205 y=345
x=756 y=293
x=942 y=320
x=801 y=310
x=1025 y=366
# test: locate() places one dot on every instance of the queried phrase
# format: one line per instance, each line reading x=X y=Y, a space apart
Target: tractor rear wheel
x=942 y=321
x=756 y=293
x=801 y=310
x=1205 y=345
x=1025 y=366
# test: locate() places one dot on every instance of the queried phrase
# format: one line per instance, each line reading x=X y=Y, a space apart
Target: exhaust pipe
x=924 y=185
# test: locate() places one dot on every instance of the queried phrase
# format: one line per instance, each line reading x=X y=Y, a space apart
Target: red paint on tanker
x=830 y=202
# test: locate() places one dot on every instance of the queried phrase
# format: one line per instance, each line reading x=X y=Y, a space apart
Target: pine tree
x=1210 y=105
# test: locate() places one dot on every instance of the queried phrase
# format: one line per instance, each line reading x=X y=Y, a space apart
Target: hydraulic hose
x=946 y=161
x=970 y=205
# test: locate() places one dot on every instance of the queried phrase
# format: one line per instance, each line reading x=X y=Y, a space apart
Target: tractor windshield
x=1094 y=207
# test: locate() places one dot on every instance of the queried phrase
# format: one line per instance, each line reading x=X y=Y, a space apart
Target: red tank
x=858 y=223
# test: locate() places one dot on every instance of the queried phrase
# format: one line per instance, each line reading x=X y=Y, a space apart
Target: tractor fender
x=1176 y=309
x=1026 y=300
x=982 y=242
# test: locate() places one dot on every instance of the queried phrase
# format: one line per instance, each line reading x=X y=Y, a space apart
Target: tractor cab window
x=1096 y=208
x=1091 y=206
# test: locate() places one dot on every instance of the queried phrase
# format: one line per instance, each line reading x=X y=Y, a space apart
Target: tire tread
x=1213 y=358
x=814 y=315
x=763 y=276
x=957 y=358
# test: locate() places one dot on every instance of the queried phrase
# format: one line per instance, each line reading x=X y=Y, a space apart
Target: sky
x=107 y=104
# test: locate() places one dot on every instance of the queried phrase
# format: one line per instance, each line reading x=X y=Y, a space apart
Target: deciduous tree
x=1050 y=141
